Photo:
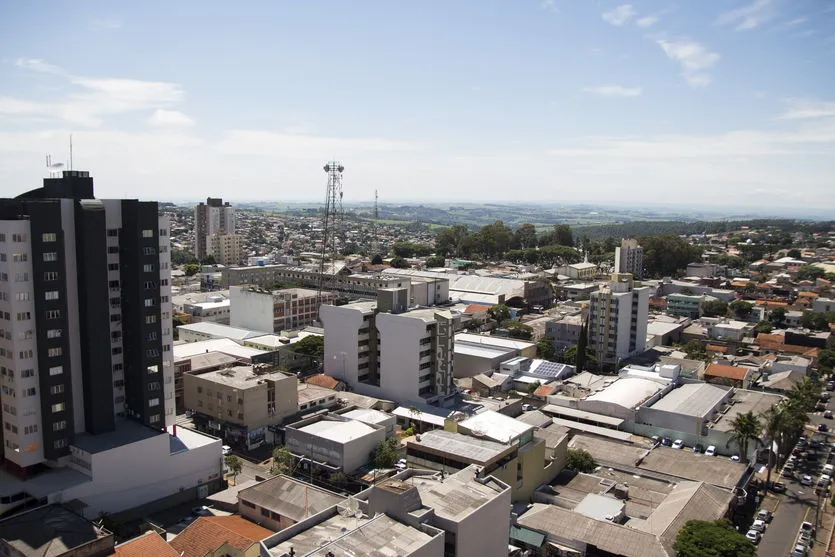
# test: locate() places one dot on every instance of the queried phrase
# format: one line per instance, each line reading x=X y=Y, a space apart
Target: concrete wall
x=485 y=532
x=341 y=324
x=250 y=310
x=144 y=471
x=400 y=349
x=349 y=455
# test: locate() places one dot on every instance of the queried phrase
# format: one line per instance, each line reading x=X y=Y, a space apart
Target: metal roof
x=693 y=399
x=471 y=449
x=627 y=392
x=496 y=426
x=582 y=415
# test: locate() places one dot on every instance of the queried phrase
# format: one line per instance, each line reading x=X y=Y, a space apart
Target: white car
x=798 y=551
x=759 y=526
x=765 y=515
x=806 y=480
x=711 y=451
x=754 y=536
x=226 y=450
x=735 y=458
x=678 y=444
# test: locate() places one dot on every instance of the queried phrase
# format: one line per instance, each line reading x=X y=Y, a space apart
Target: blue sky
x=717 y=102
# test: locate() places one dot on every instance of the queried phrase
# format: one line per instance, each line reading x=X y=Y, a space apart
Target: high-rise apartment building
x=386 y=350
x=629 y=258
x=227 y=249
x=617 y=325
x=85 y=308
x=210 y=218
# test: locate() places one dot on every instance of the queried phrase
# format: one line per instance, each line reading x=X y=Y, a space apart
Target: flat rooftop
x=457 y=495
x=368 y=416
x=470 y=449
x=240 y=377
x=290 y=498
x=225 y=345
x=49 y=531
x=481 y=351
x=746 y=401
x=495 y=426
x=692 y=399
x=126 y=432
x=308 y=392
x=714 y=470
x=493 y=341
x=608 y=451
x=338 y=431
x=219 y=330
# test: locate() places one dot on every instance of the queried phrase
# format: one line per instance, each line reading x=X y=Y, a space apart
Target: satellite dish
x=351 y=507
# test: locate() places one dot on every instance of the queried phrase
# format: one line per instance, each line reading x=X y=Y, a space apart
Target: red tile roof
x=149 y=543
x=544 y=390
x=476 y=308
x=717 y=348
x=208 y=533
x=730 y=372
x=322 y=380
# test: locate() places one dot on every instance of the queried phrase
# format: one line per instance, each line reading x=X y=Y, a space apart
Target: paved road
x=799 y=503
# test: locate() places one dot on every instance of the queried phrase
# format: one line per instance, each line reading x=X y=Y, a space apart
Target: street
x=799 y=503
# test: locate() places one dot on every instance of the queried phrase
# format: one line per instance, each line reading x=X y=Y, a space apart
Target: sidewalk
x=826 y=545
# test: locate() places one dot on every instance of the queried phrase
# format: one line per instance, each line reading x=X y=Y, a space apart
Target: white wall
x=142 y=472
x=250 y=310
x=400 y=355
x=166 y=309
x=357 y=452
x=485 y=532
x=341 y=324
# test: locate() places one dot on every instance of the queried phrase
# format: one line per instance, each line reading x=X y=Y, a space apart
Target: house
x=734 y=376
x=333 y=443
x=282 y=501
x=326 y=381
x=53 y=531
x=149 y=543
x=227 y=536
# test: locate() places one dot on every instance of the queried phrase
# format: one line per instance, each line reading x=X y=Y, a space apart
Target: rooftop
x=717 y=471
x=208 y=533
x=225 y=345
x=322 y=380
x=457 y=495
x=628 y=392
x=368 y=416
x=209 y=360
x=608 y=451
x=599 y=506
x=149 y=543
x=49 y=531
x=311 y=391
x=470 y=449
x=126 y=432
x=240 y=377
x=498 y=427
x=746 y=401
x=290 y=498
x=692 y=399
x=337 y=430
x=221 y=331
x=737 y=373
x=493 y=341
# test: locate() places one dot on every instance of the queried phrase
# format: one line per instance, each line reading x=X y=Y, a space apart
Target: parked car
x=526 y=407
x=201 y=510
x=678 y=444
x=711 y=451
x=759 y=526
x=830 y=386
x=828 y=469
x=824 y=480
x=806 y=480
x=754 y=536
x=735 y=458
x=823 y=427
x=807 y=527
x=778 y=487
x=226 y=450
x=828 y=414
x=798 y=551
x=765 y=515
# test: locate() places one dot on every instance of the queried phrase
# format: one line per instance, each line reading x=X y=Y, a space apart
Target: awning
x=597 y=430
x=425 y=417
x=581 y=415
x=526 y=536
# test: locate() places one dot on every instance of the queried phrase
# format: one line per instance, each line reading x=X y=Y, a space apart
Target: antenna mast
x=332 y=223
x=70 y=151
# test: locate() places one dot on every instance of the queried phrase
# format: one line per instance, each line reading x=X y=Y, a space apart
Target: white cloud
x=621 y=15
x=169 y=118
x=549 y=5
x=93 y=98
x=106 y=24
x=794 y=22
x=695 y=59
x=749 y=16
x=647 y=21
x=803 y=109
x=613 y=91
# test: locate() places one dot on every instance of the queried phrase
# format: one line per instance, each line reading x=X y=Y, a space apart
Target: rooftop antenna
x=53 y=168
x=333 y=222
x=70 y=151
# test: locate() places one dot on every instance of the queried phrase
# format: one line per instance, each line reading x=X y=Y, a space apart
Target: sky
x=725 y=103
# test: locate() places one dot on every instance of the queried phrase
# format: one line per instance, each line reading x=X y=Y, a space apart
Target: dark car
x=823 y=427
x=778 y=487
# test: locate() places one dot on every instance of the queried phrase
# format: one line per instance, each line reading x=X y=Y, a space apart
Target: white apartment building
x=275 y=310
x=629 y=258
x=381 y=349
x=226 y=248
x=213 y=217
x=617 y=325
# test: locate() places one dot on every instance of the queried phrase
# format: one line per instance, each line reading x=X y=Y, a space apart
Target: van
x=828 y=469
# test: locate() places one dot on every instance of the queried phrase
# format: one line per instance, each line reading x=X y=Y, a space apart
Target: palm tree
x=745 y=427
x=774 y=421
x=415 y=412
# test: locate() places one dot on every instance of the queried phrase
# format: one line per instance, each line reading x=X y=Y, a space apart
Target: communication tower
x=332 y=229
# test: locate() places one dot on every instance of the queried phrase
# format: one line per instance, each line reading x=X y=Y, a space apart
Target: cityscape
x=227 y=329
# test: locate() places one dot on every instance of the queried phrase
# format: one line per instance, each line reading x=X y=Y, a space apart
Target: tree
x=826 y=360
x=532 y=387
x=666 y=255
x=399 y=263
x=494 y=239
x=234 y=464
x=377 y=259
x=182 y=257
x=436 y=261
x=773 y=421
x=517 y=329
x=715 y=308
x=741 y=309
x=700 y=538
x=385 y=453
x=191 y=269
x=580 y=460
x=582 y=356
x=453 y=241
x=403 y=249
x=695 y=350
x=794 y=253
x=763 y=327
x=283 y=461
x=546 y=350
x=499 y=313
x=744 y=428
x=525 y=236
x=777 y=316
x=311 y=345
x=810 y=272
x=208 y=260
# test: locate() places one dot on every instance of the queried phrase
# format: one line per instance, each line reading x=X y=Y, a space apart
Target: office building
x=629 y=258
x=617 y=326
x=210 y=218
x=385 y=350
x=86 y=318
x=227 y=249
x=276 y=310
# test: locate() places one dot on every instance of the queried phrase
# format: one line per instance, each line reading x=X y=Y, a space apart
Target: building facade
x=381 y=349
x=210 y=218
x=227 y=249
x=629 y=258
x=618 y=320
x=684 y=305
x=278 y=310
x=68 y=262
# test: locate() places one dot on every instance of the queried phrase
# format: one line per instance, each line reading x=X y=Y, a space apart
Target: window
x=148 y=268
x=20 y=257
x=115 y=318
x=199 y=389
x=200 y=404
x=55 y=352
x=2 y=257
x=53 y=314
x=113 y=284
x=119 y=383
x=59 y=426
x=60 y=443
x=150 y=319
x=265 y=512
x=153 y=369
x=116 y=350
x=23 y=335
x=153 y=402
x=51 y=295
x=50 y=256
x=149 y=251
x=118 y=367
x=112 y=249
x=31 y=391
x=119 y=399
x=115 y=302
x=152 y=352
x=149 y=302
x=22 y=296
x=147 y=233
x=50 y=275
x=29 y=429
x=56 y=370
x=49 y=237
x=116 y=335
x=21 y=277
x=154 y=419
x=56 y=389
x=59 y=407
x=26 y=354
x=18 y=237
x=112 y=266
x=25 y=372
x=112 y=232
x=163 y=232
x=54 y=333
